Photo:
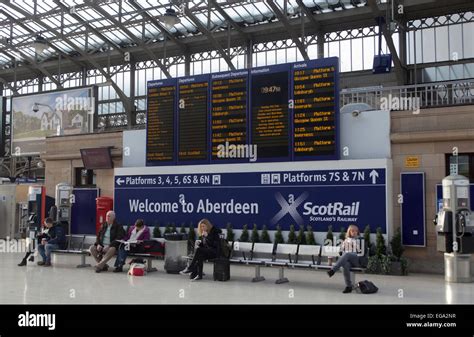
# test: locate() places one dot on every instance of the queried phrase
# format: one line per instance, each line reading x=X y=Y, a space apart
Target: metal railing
x=426 y=95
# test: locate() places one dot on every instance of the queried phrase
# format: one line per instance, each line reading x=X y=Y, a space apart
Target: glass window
x=464 y=163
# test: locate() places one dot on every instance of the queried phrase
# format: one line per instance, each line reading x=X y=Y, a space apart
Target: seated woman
x=206 y=248
x=134 y=239
x=349 y=258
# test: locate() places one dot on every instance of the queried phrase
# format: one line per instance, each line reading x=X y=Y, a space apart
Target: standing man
x=106 y=243
x=56 y=240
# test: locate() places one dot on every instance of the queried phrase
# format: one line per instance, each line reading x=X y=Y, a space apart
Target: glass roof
x=84 y=26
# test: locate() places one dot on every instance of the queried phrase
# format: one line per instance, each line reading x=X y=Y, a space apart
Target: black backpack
x=225 y=248
x=367 y=287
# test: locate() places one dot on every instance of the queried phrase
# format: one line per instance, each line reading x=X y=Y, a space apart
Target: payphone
x=63 y=204
x=455 y=228
x=38 y=205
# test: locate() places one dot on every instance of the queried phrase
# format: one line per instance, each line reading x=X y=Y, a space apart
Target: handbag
x=137 y=269
x=367 y=287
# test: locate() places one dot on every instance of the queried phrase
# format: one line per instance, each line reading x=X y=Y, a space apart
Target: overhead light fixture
x=170 y=18
x=40 y=44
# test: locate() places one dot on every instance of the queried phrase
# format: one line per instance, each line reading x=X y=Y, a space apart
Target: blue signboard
x=318 y=198
x=413 y=220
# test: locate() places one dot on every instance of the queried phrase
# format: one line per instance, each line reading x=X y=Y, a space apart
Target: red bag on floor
x=137 y=269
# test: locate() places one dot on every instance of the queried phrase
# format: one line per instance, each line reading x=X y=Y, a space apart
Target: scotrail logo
x=333 y=211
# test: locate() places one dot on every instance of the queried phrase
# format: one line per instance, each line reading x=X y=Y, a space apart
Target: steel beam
x=229 y=19
x=399 y=69
x=284 y=20
x=133 y=37
x=120 y=93
x=211 y=38
x=157 y=24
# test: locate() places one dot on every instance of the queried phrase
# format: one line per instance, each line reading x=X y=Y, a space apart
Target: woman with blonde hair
x=349 y=258
x=206 y=248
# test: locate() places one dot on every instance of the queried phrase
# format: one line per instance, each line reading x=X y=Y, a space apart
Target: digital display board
x=282 y=112
x=269 y=110
x=228 y=113
x=160 y=121
x=193 y=109
x=314 y=117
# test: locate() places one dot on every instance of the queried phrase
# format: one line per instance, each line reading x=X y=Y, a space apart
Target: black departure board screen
x=269 y=111
x=283 y=112
x=193 y=118
x=228 y=113
x=160 y=121
x=314 y=117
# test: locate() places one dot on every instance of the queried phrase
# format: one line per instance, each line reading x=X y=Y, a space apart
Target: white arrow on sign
x=120 y=181
x=374 y=175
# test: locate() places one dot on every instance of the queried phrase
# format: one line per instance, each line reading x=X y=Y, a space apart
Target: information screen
x=228 y=114
x=270 y=113
x=281 y=112
x=193 y=120
x=160 y=123
x=314 y=118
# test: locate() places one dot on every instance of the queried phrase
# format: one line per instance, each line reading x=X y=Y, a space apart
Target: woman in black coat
x=206 y=248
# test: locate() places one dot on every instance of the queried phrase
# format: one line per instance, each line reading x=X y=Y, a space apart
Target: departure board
x=193 y=118
x=269 y=111
x=160 y=121
x=314 y=117
x=228 y=114
x=282 y=112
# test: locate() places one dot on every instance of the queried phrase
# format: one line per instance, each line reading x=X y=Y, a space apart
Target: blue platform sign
x=318 y=198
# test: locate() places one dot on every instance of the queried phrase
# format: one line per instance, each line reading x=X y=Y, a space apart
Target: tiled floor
x=64 y=283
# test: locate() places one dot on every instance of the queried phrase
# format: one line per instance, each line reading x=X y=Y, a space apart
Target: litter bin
x=457 y=267
x=176 y=249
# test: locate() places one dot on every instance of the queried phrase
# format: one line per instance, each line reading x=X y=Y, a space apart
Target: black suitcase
x=221 y=269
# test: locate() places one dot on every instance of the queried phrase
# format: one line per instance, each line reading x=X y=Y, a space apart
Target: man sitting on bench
x=133 y=243
x=56 y=239
x=106 y=244
x=349 y=258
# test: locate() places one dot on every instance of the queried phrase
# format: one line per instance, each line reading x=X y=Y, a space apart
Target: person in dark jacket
x=31 y=247
x=206 y=248
x=133 y=243
x=106 y=244
x=56 y=239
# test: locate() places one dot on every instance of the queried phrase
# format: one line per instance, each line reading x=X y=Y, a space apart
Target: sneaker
x=197 y=278
x=347 y=290
x=331 y=273
x=47 y=264
x=185 y=271
x=118 y=269
x=41 y=263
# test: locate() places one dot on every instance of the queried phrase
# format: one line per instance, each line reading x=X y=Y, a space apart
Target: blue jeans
x=45 y=251
x=121 y=256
